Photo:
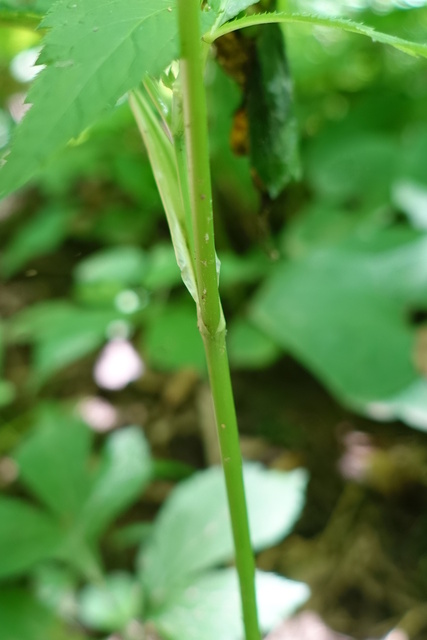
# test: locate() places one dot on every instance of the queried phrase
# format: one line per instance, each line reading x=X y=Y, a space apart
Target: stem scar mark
x=223 y=426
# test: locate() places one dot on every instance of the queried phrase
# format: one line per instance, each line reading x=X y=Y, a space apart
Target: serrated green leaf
x=96 y=51
x=53 y=462
x=209 y=608
x=111 y=605
x=344 y=312
x=124 y=472
x=27 y=535
x=197 y=514
x=411 y=48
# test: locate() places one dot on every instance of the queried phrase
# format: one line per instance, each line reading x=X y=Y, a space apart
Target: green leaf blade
x=197 y=513
x=193 y=612
x=125 y=471
x=23 y=617
x=43 y=234
x=53 y=462
x=96 y=51
x=27 y=536
x=61 y=333
x=344 y=311
x=110 y=605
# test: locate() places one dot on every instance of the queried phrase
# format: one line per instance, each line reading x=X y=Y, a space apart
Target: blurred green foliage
x=82 y=494
x=332 y=273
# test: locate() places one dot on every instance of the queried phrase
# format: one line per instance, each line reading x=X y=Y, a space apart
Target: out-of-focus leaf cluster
x=81 y=493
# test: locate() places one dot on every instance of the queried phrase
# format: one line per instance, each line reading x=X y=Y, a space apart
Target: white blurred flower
x=99 y=414
x=118 y=364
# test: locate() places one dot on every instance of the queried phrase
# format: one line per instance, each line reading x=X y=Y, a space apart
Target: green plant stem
x=195 y=123
x=225 y=414
x=211 y=320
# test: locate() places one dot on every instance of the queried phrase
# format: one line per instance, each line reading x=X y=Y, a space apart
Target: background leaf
x=124 y=472
x=23 y=618
x=54 y=586
x=26 y=536
x=344 y=311
x=197 y=514
x=250 y=348
x=361 y=165
x=208 y=608
x=111 y=605
x=126 y=265
x=105 y=274
x=41 y=235
x=163 y=348
x=411 y=198
x=409 y=406
x=53 y=462
x=61 y=332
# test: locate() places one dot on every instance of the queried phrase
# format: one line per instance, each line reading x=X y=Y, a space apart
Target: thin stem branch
x=211 y=320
